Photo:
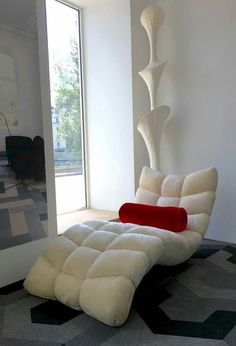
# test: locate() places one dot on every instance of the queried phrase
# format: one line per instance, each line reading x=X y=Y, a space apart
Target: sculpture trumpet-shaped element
x=150 y=126
x=152 y=18
x=152 y=76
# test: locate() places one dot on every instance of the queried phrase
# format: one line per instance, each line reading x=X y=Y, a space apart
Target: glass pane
x=65 y=83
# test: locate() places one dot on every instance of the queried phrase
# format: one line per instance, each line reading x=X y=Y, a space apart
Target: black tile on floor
x=11 y=288
x=53 y=312
x=231 y=250
x=205 y=253
x=2 y=187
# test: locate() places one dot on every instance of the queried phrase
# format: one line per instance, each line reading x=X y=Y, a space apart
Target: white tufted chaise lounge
x=96 y=266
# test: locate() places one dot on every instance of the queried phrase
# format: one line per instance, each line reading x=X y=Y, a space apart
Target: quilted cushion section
x=198 y=203
x=198 y=223
x=151 y=180
x=172 y=186
x=146 y=197
x=58 y=251
x=195 y=193
x=205 y=180
x=168 y=201
x=41 y=279
x=107 y=299
x=78 y=237
x=85 y=256
x=101 y=274
x=67 y=290
x=99 y=240
x=177 y=247
x=131 y=264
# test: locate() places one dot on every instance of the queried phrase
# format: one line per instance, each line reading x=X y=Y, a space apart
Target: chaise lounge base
x=96 y=266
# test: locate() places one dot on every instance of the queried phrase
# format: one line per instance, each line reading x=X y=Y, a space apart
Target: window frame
x=84 y=141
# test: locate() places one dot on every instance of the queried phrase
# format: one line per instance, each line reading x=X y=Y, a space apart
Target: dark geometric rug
x=193 y=303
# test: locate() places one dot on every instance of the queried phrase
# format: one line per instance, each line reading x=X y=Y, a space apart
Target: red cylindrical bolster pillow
x=169 y=218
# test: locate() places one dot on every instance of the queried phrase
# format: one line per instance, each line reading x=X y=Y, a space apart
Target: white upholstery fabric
x=96 y=266
x=195 y=193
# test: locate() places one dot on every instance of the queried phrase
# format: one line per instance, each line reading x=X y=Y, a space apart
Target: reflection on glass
x=23 y=195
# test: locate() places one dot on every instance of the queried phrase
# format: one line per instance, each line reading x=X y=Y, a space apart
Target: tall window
x=63 y=27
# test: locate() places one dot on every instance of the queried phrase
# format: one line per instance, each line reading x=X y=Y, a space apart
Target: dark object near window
x=26 y=157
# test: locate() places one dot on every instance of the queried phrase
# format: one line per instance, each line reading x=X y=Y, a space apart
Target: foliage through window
x=66 y=94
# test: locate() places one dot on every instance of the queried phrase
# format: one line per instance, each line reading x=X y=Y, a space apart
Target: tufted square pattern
x=96 y=266
x=195 y=193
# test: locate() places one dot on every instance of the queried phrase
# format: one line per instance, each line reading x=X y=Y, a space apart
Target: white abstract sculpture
x=150 y=126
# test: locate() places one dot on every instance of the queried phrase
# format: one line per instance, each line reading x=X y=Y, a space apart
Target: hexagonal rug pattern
x=193 y=303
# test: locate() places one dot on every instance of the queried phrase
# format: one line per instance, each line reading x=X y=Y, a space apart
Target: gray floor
x=190 y=304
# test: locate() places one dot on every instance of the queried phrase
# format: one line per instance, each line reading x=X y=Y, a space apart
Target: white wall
x=198 y=40
x=24 y=50
x=107 y=62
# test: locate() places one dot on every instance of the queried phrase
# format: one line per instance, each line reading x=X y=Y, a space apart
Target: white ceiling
x=19 y=14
